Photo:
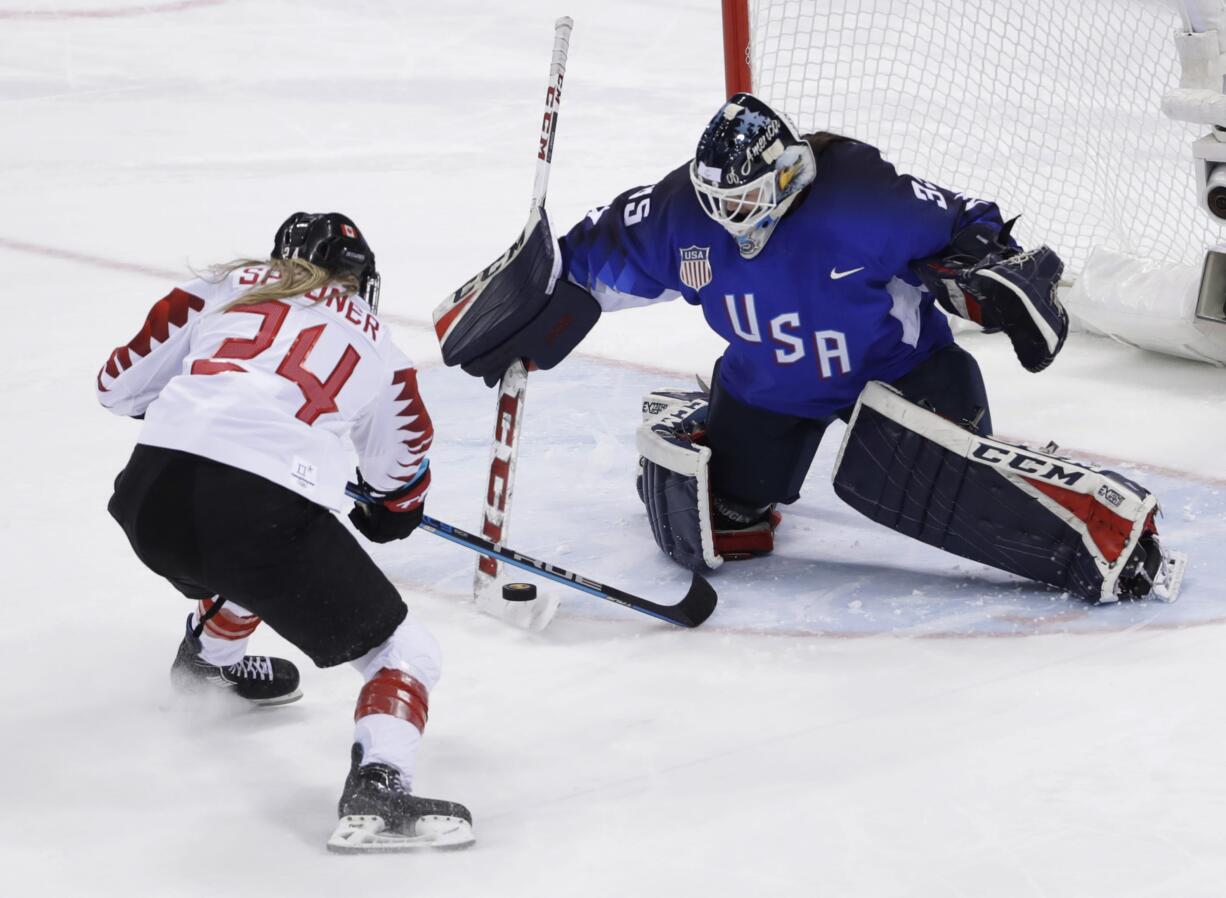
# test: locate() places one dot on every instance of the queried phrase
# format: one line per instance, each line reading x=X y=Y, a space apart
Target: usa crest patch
x=696 y=266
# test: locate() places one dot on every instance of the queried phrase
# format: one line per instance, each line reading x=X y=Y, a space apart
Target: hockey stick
x=512 y=389
x=692 y=610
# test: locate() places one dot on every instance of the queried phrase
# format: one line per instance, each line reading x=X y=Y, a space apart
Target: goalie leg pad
x=693 y=525
x=673 y=482
x=1045 y=518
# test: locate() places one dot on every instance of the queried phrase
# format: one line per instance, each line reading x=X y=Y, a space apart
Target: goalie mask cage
x=1049 y=107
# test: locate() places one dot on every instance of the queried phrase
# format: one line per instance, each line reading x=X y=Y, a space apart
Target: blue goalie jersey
x=830 y=302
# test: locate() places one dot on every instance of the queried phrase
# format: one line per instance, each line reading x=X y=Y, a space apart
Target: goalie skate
x=1152 y=572
x=1168 y=581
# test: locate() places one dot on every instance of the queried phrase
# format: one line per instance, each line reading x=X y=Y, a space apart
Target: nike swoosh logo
x=835 y=274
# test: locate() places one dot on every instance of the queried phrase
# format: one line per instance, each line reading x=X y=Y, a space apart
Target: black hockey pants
x=211 y=529
x=759 y=457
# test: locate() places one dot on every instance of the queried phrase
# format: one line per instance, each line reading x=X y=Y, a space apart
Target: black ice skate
x=378 y=814
x=742 y=532
x=257 y=678
x=1152 y=572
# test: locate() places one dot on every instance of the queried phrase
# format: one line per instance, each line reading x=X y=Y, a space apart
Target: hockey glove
x=1018 y=295
x=970 y=246
x=520 y=306
x=384 y=517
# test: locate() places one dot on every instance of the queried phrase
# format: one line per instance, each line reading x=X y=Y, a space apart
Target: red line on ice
x=86 y=259
x=114 y=12
x=413 y=324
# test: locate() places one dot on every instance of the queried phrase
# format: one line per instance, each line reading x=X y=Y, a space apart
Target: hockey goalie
x=829 y=274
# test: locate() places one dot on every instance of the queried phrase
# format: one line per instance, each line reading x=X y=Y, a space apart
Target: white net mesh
x=1049 y=107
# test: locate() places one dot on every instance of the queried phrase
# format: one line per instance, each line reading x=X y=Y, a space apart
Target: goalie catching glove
x=693 y=527
x=984 y=278
x=516 y=308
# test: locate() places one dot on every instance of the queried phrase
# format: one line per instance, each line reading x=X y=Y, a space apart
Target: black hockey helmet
x=332 y=241
x=750 y=164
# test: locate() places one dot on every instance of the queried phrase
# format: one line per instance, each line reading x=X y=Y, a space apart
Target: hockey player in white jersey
x=248 y=381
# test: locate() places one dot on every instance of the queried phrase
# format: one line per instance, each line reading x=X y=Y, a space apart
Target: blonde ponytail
x=286 y=278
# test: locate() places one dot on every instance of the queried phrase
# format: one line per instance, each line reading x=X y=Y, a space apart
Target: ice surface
x=846 y=724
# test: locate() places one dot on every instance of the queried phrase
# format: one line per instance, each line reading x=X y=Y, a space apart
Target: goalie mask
x=332 y=241
x=749 y=167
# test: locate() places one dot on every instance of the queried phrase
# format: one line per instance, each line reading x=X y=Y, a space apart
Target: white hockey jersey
x=273 y=388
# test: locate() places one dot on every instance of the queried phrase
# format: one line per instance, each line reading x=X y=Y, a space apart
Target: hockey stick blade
x=695 y=607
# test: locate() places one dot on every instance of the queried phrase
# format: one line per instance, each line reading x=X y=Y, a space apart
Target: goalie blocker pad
x=1030 y=513
x=515 y=308
x=673 y=480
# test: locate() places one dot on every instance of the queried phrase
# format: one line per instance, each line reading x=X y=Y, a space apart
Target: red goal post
x=736 y=47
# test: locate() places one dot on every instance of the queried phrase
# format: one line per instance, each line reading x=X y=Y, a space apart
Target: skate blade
x=1170 y=576
x=367 y=834
x=273 y=702
x=192 y=693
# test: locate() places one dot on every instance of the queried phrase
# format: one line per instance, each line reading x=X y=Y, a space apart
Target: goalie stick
x=692 y=610
x=504 y=451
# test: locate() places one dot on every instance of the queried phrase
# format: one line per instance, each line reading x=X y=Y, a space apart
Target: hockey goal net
x=1049 y=107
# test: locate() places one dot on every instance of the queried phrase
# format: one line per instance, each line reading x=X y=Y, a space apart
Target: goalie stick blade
x=366 y=834
x=534 y=615
x=500 y=486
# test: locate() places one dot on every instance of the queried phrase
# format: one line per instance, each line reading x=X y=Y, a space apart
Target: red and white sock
x=394 y=703
x=389 y=720
x=224 y=638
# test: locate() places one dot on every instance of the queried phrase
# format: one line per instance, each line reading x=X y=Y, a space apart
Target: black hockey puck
x=519 y=592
